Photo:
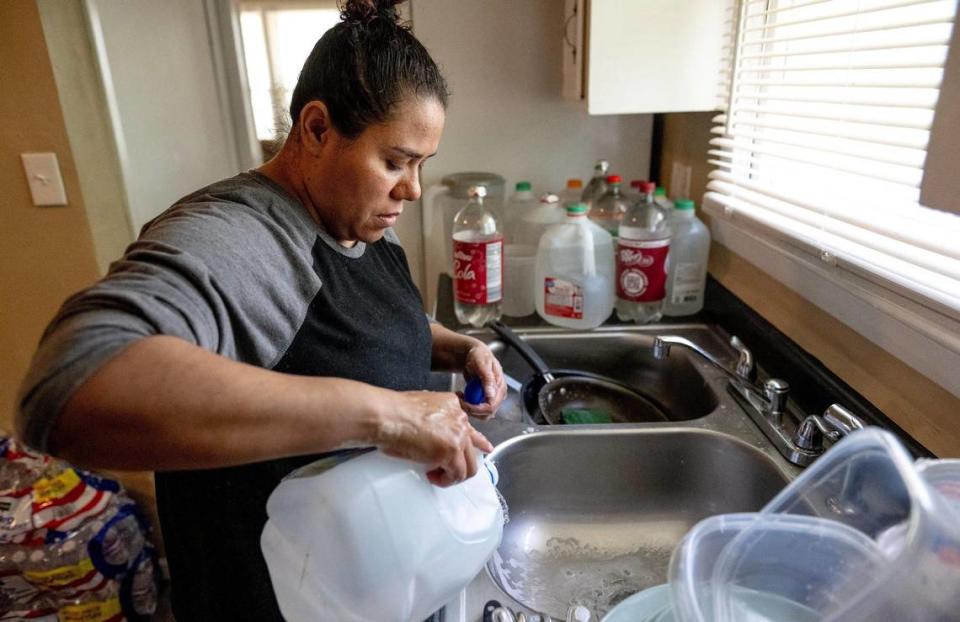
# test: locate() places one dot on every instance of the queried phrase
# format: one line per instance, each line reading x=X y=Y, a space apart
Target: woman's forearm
x=166 y=404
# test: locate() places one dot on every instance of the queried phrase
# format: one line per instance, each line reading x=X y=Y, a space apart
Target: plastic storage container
x=370 y=539
x=687 y=262
x=574 y=274
x=862 y=535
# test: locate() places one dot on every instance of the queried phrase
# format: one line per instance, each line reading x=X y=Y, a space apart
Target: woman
x=269 y=318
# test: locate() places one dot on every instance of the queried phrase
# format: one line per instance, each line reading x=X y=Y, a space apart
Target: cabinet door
x=655 y=55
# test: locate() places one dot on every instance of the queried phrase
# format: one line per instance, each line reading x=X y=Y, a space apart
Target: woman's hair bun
x=365 y=11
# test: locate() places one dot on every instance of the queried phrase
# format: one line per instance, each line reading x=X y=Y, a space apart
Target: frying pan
x=549 y=392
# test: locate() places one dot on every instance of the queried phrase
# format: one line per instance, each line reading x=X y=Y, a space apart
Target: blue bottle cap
x=473 y=393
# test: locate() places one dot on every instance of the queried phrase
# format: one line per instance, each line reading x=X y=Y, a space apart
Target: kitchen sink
x=595 y=511
x=674 y=385
x=595 y=515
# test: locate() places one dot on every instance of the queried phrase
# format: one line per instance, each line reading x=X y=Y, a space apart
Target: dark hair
x=364 y=65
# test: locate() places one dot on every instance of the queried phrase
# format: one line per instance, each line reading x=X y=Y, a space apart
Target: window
x=277 y=38
x=824 y=137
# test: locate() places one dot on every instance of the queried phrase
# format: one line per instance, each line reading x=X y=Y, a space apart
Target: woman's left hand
x=481 y=363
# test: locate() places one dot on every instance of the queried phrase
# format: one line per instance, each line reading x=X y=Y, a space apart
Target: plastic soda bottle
x=609 y=209
x=477 y=262
x=597 y=185
x=642 y=248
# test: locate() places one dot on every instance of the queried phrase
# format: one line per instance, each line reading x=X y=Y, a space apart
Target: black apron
x=367 y=324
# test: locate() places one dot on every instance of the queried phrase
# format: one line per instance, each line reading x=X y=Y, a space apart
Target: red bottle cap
x=614 y=179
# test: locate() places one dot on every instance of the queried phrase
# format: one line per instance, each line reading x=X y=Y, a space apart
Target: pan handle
x=523 y=348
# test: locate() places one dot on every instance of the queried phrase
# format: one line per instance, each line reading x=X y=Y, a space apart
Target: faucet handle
x=776 y=391
x=745 y=367
x=842 y=420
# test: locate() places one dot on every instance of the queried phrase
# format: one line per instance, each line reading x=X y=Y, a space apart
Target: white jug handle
x=589 y=258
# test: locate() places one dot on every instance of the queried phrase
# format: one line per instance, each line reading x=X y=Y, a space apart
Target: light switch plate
x=43 y=175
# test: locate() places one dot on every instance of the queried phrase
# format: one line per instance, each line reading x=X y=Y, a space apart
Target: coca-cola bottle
x=642 y=248
x=477 y=262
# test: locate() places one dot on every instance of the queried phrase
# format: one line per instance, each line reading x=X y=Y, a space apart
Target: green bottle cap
x=576 y=208
x=682 y=204
x=660 y=192
x=523 y=186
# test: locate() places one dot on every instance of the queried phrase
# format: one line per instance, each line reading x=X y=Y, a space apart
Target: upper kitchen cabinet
x=643 y=56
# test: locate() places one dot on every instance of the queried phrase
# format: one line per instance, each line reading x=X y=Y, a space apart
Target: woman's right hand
x=432 y=428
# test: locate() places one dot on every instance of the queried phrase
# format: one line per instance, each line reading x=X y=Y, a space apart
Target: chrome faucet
x=766 y=404
x=770 y=398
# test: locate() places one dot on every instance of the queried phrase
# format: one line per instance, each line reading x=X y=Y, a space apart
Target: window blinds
x=824 y=137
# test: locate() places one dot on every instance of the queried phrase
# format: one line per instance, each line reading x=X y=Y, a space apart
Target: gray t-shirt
x=230 y=268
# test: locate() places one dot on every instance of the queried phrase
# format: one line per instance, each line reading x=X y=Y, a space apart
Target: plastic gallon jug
x=574 y=274
x=370 y=539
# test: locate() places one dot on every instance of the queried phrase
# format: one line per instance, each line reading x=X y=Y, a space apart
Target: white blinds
x=825 y=133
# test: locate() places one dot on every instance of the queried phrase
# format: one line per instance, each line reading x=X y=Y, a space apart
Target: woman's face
x=357 y=187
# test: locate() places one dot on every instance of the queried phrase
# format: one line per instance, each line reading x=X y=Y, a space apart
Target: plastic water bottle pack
x=73 y=545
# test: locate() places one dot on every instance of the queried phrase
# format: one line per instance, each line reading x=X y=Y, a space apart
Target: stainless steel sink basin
x=596 y=510
x=595 y=514
x=674 y=384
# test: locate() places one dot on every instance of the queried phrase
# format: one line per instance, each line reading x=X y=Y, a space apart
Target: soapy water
x=569 y=572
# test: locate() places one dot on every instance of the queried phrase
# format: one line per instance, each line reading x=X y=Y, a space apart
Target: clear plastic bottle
x=642 y=248
x=573 y=193
x=660 y=198
x=609 y=209
x=522 y=202
x=477 y=262
x=574 y=273
x=687 y=264
x=634 y=194
x=597 y=185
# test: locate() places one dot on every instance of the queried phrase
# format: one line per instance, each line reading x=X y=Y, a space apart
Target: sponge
x=585 y=415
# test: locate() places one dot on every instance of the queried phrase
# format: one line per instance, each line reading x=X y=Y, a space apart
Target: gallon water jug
x=574 y=274
x=370 y=539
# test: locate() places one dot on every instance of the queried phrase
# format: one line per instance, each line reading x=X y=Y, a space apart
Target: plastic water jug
x=574 y=274
x=370 y=539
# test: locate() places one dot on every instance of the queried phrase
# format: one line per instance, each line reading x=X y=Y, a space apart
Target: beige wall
x=921 y=407
x=45 y=253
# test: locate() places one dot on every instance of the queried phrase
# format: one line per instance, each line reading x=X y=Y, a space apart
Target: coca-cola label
x=562 y=298
x=478 y=271
x=641 y=269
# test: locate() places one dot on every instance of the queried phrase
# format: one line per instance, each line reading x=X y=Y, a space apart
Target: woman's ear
x=314 y=125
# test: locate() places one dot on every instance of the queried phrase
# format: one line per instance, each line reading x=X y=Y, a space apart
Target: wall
x=921 y=407
x=45 y=253
x=502 y=59
x=172 y=129
x=88 y=124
